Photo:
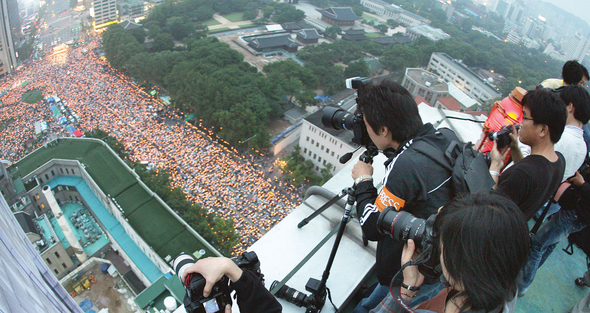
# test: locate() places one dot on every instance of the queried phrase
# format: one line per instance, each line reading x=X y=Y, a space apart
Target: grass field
x=211 y=22
x=235 y=17
x=369 y=17
x=375 y=35
x=248 y=25
x=32 y=96
x=218 y=30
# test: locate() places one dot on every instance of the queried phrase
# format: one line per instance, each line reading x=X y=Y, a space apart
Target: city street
x=58 y=25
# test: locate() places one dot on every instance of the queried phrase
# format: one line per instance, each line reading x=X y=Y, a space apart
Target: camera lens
x=290 y=294
x=401 y=226
x=337 y=119
x=181 y=263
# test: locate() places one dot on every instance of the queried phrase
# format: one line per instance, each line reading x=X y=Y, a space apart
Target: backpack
x=470 y=171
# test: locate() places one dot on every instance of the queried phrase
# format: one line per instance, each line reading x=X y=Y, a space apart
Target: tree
x=357 y=68
x=285 y=12
x=162 y=42
x=298 y=170
x=251 y=15
x=382 y=28
x=139 y=34
x=332 y=32
x=179 y=27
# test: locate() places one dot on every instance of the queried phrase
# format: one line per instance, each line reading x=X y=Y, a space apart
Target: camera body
x=313 y=302
x=194 y=301
x=402 y=226
x=502 y=137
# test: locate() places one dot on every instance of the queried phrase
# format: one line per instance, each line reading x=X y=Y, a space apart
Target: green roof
x=151 y=218
x=155 y=294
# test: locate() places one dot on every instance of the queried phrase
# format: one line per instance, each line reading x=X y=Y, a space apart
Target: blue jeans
x=555 y=230
x=426 y=292
x=554 y=208
x=371 y=302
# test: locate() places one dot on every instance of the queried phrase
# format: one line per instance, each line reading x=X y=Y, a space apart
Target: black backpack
x=470 y=171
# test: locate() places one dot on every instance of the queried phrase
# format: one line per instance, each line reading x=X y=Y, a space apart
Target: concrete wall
x=290 y=138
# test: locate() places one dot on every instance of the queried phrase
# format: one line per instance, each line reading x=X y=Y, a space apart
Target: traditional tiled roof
x=276 y=40
x=128 y=25
x=339 y=14
x=450 y=103
x=309 y=34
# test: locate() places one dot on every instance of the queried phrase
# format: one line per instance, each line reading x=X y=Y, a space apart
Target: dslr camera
x=502 y=137
x=194 y=301
x=402 y=226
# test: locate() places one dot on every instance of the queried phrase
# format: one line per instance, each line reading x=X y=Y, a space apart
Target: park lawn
x=235 y=17
x=369 y=17
x=375 y=35
x=218 y=30
x=32 y=96
x=211 y=22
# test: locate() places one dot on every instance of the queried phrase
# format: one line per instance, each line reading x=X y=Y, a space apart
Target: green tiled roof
x=149 y=217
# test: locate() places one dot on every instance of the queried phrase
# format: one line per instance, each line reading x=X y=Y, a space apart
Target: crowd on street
x=211 y=172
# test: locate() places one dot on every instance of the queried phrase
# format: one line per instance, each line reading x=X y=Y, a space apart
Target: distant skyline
x=578 y=8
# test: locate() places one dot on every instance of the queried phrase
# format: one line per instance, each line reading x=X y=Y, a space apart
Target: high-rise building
x=578 y=47
x=503 y=7
x=7 y=42
x=105 y=12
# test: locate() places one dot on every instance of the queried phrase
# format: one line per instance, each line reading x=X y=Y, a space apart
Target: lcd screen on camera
x=211 y=306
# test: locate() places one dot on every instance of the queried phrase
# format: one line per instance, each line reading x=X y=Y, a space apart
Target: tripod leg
x=320 y=210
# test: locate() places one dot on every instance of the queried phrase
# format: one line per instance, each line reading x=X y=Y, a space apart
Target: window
x=40 y=180
x=56 y=272
x=37 y=196
x=64 y=265
x=304 y=150
x=52 y=173
x=56 y=254
x=309 y=152
x=327 y=150
x=319 y=159
x=338 y=156
x=46 y=176
x=312 y=141
x=322 y=147
x=332 y=153
x=67 y=171
x=316 y=168
x=76 y=198
x=324 y=162
x=314 y=156
x=71 y=198
x=42 y=206
x=317 y=144
x=307 y=139
x=73 y=172
x=48 y=260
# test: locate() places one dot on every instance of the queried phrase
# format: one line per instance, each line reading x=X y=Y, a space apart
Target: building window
x=327 y=150
x=42 y=206
x=56 y=272
x=317 y=144
x=71 y=198
x=67 y=171
x=309 y=152
x=46 y=176
x=48 y=260
x=332 y=153
x=61 y=170
x=322 y=147
x=40 y=180
x=304 y=150
x=319 y=159
x=314 y=156
x=56 y=254
x=324 y=162
x=64 y=265
x=37 y=196
x=76 y=198
x=312 y=141
x=73 y=172
x=52 y=173
x=307 y=138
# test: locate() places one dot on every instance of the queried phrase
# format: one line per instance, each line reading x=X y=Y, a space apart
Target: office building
x=394 y=12
x=10 y=28
x=105 y=12
x=577 y=48
x=454 y=71
x=434 y=34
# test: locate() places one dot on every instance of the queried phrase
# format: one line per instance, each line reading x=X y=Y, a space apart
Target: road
x=59 y=26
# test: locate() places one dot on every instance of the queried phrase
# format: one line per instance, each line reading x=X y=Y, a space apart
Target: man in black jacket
x=413 y=182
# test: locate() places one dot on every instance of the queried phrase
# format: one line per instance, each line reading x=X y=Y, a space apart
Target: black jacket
x=414 y=183
x=253 y=297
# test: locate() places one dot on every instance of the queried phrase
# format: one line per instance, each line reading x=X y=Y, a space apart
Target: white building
x=434 y=34
x=7 y=50
x=425 y=84
x=324 y=146
x=577 y=48
x=392 y=11
x=554 y=54
x=461 y=76
x=105 y=11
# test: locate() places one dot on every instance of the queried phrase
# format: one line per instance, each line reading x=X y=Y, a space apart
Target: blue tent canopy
x=71 y=128
x=50 y=100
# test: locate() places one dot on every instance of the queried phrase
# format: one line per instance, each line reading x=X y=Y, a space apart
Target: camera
x=402 y=226
x=502 y=137
x=336 y=118
x=194 y=301
x=313 y=302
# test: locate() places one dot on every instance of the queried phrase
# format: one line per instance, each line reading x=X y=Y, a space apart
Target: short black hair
x=547 y=108
x=485 y=243
x=579 y=97
x=388 y=104
x=573 y=72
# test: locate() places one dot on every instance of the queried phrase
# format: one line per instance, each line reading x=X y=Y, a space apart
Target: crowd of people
x=210 y=172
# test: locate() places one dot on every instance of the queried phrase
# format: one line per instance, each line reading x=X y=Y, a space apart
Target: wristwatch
x=361 y=178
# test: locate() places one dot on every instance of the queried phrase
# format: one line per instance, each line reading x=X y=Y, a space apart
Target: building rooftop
x=429 y=32
x=343 y=134
x=427 y=79
x=271 y=41
x=149 y=216
x=450 y=103
x=128 y=25
x=340 y=14
x=419 y=100
x=310 y=33
x=471 y=75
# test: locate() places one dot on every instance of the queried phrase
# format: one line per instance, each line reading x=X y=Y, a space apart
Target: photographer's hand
x=213 y=269
x=514 y=148
x=361 y=168
x=577 y=179
x=497 y=163
x=412 y=277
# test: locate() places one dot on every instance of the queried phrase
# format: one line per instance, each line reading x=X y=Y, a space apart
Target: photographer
x=413 y=181
x=252 y=295
x=481 y=273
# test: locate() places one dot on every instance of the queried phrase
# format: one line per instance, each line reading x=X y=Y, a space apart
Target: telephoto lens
x=401 y=225
x=181 y=263
x=337 y=119
x=290 y=294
